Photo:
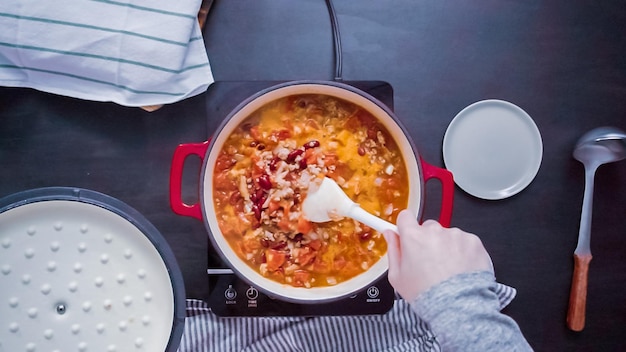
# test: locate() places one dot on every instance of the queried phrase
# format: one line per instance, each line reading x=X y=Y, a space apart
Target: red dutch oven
x=418 y=170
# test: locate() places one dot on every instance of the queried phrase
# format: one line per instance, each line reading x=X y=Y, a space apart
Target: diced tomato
x=350 y=269
x=341 y=170
x=257 y=168
x=316 y=244
x=273 y=206
x=352 y=123
x=255 y=133
x=301 y=277
x=312 y=124
x=250 y=244
x=224 y=161
x=278 y=275
x=222 y=197
x=234 y=197
x=330 y=159
x=274 y=259
x=387 y=189
x=281 y=135
x=284 y=224
x=303 y=255
x=321 y=266
x=221 y=182
x=339 y=263
x=310 y=155
x=290 y=103
x=304 y=225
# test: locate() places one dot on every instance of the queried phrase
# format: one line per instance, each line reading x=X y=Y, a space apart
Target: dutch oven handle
x=447 y=189
x=176 y=178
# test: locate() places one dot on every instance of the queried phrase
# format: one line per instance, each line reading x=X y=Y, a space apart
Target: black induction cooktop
x=230 y=295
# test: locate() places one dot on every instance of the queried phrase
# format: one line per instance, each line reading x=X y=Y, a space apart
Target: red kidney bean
x=311 y=144
x=261 y=200
x=234 y=197
x=264 y=181
x=365 y=236
x=301 y=103
x=372 y=133
x=257 y=212
x=294 y=154
x=297 y=197
x=278 y=245
x=260 y=146
x=273 y=163
x=361 y=150
x=255 y=197
x=302 y=164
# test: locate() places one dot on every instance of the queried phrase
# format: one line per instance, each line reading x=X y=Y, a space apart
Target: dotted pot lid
x=81 y=271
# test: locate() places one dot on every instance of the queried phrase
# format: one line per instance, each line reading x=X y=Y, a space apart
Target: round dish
x=83 y=271
x=493 y=149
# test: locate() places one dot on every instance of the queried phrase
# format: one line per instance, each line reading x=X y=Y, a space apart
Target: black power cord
x=336 y=39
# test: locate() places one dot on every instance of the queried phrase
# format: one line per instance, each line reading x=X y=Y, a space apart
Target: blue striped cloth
x=131 y=52
x=400 y=329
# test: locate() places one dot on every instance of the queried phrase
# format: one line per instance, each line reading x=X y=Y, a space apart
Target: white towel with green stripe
x=131 y=52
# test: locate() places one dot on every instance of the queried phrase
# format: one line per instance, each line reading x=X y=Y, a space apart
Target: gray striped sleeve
x=464 y=314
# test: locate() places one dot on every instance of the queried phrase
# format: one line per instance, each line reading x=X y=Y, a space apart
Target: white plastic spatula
x=329 y=202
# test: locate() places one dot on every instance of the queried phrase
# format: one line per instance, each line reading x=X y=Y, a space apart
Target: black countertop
x=562 y=62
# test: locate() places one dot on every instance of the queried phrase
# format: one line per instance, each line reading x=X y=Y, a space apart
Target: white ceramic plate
x=493 y=148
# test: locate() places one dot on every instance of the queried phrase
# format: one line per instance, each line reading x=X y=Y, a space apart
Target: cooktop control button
x=373 y=292
x=252 y=293
x=230 y=293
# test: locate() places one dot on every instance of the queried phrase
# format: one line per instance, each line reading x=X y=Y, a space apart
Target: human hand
x=421 y=256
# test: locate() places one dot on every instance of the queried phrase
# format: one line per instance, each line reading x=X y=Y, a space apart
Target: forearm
x=463 y=312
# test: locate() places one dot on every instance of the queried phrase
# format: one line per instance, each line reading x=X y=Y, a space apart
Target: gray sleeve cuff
x=464 y=313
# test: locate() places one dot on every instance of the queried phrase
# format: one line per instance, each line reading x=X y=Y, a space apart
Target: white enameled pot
x=418 y=172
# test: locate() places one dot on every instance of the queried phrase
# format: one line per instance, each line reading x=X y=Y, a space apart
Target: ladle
x=599 y=146
x=329 y=202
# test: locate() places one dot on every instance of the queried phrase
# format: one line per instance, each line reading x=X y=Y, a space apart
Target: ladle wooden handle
x=578 y=293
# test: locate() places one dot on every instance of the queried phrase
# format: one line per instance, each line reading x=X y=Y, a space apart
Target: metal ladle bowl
x=599 y=146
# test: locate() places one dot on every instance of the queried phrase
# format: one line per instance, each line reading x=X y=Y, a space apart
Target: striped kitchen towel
x=131 y=52
x=400 y=329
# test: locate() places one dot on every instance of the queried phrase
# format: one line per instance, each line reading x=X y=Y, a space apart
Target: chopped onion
x=389 y=209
